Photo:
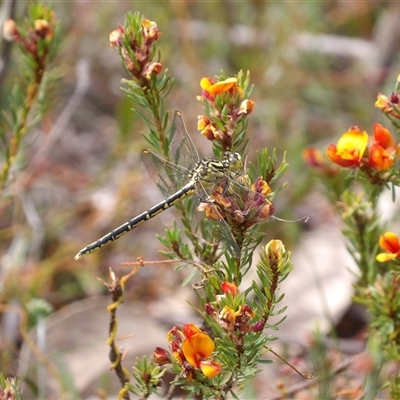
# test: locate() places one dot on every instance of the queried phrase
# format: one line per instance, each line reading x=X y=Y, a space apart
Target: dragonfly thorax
x=208 y=171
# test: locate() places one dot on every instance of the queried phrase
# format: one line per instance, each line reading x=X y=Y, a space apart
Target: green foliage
x=9 y=388
x=37 y=40
x=148 y=377
x=220 y=244
x=368 y=169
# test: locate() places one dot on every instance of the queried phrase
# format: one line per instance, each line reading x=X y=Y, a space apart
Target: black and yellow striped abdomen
x=115 y=234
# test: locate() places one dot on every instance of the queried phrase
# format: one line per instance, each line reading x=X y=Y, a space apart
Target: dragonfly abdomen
x=115 y=234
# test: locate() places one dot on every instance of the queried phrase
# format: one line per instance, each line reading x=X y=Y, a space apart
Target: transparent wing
x=217 y=228
x=182 y=149
x=220 y=230
x=167 y=176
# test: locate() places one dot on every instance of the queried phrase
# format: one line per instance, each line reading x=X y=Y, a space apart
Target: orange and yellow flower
x=383 y=103
x=390 y=242
x=197 y=347
x=150 y=31
x=211 y=89
x=382 y=151
x=229 y=287
x=350 y=148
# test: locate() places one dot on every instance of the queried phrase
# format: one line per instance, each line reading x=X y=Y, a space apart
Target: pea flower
x=350 y=148
x=238 y=320
x=384 y=103
x=191 y=348
x=389 y=241
x=197 y=347
x=389 y=105
x=210 y=89
x=382 y=150
x=228 y=287
x=150 y=31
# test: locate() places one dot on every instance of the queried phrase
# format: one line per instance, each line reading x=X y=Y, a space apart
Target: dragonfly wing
x=167 y=176
x=182 y=150
x=215 y=228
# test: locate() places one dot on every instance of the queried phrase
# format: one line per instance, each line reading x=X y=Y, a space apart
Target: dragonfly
x=187 y=174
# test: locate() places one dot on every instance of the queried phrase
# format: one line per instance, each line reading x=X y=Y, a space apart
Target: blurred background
x=316 y=67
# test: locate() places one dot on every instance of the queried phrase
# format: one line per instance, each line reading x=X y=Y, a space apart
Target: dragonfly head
x=234 y=161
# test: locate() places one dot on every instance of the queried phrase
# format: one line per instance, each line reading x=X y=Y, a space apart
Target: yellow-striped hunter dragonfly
x=185 y=176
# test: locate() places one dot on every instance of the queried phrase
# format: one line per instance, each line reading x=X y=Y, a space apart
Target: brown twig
x=116 y=288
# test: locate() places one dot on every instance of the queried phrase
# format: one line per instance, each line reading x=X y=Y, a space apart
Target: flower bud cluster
x=242 y=205
x=225 y=105
x=137 y=49
x=234 y=320
x=41 y=31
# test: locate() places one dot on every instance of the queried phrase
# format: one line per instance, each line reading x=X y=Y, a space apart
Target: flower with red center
x=211 y=89
x=350 y=148
x=389 y=241
x=197 y=347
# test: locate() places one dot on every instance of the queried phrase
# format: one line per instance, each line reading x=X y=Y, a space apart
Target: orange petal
x=197 y=346
x=228 y=287
x=389 y=241
x=210 y=368
x=222 y=87
x=379 y=158
x=383 y=136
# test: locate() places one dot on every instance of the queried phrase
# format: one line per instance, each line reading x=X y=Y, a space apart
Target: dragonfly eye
x=235 y=161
